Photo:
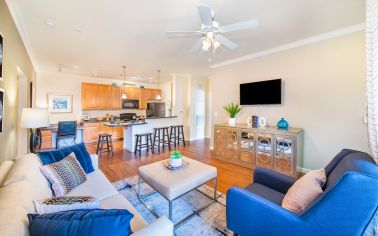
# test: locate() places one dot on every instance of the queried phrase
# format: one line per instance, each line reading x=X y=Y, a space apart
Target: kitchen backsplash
x=102 y=113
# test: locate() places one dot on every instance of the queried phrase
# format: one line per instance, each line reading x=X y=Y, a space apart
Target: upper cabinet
x=104 y=92
x=115 y=98
x=108 y=97
x=89 y=96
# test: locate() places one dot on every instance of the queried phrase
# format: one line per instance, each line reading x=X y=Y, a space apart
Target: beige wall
x=14 y=56
x=324 y=93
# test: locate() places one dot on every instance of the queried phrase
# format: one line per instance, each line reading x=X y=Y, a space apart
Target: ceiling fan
x=211 y=33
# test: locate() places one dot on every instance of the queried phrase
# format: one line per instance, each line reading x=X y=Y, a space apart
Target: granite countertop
x=124 y=124
x=160 y=117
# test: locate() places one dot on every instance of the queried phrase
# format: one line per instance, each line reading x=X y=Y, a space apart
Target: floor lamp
x=34 y=119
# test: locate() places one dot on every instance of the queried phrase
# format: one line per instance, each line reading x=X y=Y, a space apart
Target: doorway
x=22 y=100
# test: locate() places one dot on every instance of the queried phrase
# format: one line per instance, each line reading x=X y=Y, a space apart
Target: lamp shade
x=34 y=118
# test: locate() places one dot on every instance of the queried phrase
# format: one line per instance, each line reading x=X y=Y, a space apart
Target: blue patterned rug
x=211 y=221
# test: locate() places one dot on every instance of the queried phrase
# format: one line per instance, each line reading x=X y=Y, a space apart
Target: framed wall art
x=1 y=109
x=60 y=103
x=1 y=57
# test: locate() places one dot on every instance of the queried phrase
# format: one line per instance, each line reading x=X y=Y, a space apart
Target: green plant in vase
x=176 y=159
x=233 y=110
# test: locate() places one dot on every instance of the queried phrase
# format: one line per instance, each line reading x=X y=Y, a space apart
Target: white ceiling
x=132 y=32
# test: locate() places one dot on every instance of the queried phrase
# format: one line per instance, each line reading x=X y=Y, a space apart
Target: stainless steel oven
x=130 y=104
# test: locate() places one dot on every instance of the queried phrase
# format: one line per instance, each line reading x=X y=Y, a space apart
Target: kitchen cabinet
x=89 y=96
x=108 y=97
x=117 y=133
x=91 y=132
x=104 y=96
x=115 y=98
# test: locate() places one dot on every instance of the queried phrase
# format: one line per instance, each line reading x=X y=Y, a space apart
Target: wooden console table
x=280 y=150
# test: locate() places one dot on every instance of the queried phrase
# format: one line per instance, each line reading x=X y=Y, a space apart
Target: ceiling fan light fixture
x=216 y=44
x=206 y=44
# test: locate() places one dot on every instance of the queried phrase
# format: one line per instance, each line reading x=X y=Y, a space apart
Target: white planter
x=176 y=162
x=232 y=121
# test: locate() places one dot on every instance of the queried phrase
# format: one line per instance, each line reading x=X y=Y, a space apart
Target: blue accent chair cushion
x=81 y=222
x=347 y=206
x=80 y=151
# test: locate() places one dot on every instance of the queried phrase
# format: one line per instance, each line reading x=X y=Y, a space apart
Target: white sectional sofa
x=25 y=183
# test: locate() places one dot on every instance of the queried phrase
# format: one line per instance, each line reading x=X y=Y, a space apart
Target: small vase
x=177 y=162
x=232 y=121
x=283 y=124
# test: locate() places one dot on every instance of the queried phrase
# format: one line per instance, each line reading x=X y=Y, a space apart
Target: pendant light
x=158 y=97
x=124 y=83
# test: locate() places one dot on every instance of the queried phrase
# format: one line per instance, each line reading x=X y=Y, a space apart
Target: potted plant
x=232 y=109
x=176 y=159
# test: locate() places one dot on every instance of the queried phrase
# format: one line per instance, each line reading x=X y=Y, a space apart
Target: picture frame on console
x=60 y=103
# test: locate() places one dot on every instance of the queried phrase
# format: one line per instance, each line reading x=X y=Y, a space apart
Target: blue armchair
x=346 y=207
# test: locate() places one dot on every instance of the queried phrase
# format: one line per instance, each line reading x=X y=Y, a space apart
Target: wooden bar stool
x=104 y=139
x=148 y=142
x=161 y=138
x=177 y=134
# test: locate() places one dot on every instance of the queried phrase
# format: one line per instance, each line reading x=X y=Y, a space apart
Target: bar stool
x=161 y=138
x=104 y=139
x=177 y=134
x=139 y=145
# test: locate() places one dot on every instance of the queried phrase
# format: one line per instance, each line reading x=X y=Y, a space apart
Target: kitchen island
x=133 y=128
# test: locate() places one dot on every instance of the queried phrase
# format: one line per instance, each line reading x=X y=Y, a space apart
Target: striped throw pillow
x=64 y=175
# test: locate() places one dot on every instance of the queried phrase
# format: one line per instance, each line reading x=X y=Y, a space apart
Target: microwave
x=130 y=104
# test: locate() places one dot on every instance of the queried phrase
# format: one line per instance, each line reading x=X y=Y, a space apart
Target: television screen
x=261 y=93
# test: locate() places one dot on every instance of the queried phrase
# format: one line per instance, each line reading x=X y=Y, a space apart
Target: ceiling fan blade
x=197 y=45
x=183 y=33
x=225 y=42
x=238 y=26
x=205 y=14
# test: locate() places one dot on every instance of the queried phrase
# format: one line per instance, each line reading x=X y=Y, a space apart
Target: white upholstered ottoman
x=172 y=184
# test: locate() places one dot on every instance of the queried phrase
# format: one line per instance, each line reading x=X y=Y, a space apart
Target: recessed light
x=50 y=23
x=78 y=30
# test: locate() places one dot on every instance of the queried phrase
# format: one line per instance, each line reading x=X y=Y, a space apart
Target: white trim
x=303 y=42
x=18 y=20
x=303 y=170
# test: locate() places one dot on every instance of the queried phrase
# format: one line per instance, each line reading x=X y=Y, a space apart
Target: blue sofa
x=346 y=207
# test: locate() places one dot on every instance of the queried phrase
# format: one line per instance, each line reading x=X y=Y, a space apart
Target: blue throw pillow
x=81 y=222
x=80 y=151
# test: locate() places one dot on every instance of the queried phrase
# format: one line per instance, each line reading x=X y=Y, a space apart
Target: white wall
x=70 y=84
x=324 y=93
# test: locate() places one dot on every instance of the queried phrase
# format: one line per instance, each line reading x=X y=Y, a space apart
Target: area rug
x=211 y=221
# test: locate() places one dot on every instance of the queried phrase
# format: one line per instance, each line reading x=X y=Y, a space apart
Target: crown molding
x=18 y=20
x=300 y=43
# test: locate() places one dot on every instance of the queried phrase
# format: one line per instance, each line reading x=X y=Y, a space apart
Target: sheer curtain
x=372 y=74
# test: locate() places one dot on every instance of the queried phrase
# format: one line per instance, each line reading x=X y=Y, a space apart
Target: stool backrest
x=67 y=128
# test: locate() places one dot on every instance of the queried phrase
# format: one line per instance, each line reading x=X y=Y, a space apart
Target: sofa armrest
x=160 y=227
x=272 y=179
x=94 y=158
x=247 y=212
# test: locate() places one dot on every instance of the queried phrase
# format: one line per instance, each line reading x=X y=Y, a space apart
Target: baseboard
x=303 y=170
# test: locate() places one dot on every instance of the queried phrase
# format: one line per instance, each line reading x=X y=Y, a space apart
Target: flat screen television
x=261 y=93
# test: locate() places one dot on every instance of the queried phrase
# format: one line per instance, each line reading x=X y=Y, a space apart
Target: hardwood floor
x=124 y=164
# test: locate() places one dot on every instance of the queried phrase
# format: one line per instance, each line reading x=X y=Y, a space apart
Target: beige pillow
x=304 y=191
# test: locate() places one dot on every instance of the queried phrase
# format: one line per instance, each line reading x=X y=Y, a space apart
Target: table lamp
x=34 y=119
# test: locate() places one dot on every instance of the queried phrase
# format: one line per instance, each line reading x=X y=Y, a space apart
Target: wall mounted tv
x=261 y=93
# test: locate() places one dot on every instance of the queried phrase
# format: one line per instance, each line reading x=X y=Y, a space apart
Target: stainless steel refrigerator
x=155 y=109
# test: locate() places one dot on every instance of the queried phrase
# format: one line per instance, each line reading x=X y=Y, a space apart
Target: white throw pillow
x=27 y=168
x=5 y=167
x=52 y=205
